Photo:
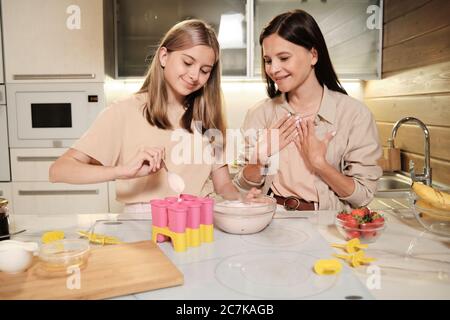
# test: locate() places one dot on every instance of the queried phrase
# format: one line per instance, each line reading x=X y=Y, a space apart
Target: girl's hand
x=145 y=162
x=252 y=194
x=276 y=137
x=311 y=149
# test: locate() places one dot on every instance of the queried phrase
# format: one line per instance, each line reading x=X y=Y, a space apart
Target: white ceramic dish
x=16 y=256
x=244 y=218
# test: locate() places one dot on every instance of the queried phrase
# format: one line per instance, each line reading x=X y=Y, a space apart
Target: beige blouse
x=121 y=129
x=354 y=151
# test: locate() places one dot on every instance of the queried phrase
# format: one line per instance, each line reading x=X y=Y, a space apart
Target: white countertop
x=276 y=263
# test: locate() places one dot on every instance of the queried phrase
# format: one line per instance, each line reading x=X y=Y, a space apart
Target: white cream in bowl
x=244 y=217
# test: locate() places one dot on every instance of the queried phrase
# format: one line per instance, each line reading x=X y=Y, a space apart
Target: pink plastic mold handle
x=159 y=216
x=177 y=218
x=206 y=216
x=194 y=213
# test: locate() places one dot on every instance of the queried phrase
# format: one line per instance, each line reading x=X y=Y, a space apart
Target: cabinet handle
x=57 y=192
x=34 y=159
x=53 y=76
x=1 y=193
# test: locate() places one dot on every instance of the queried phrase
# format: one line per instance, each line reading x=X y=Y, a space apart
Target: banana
x=442 y=216
x=438 y=199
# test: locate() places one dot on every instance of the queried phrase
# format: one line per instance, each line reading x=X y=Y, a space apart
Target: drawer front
x=33 y=164
x=48 y=198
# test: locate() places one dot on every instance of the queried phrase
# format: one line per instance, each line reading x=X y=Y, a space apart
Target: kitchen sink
x=393 y=185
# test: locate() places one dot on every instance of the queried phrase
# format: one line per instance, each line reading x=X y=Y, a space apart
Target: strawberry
x=378 y=222
x=351 y=223
x=358 y=213
x=353 y=234
x=343 y=216
x=369 y=226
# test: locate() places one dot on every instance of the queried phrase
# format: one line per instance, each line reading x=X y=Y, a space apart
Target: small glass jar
x=4 y=222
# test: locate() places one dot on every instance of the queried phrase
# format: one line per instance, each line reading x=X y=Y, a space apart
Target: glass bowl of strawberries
x=361 y=223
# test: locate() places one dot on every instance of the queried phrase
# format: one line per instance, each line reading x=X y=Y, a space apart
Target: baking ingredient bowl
x=16 y=256
x=58 y=256
x=362 y=223
x=238 y=217
x=432 y=213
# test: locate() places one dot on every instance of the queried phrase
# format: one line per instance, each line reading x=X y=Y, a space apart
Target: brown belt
x=294 y=203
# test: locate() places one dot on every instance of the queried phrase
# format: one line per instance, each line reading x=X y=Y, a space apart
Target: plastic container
x=177 y=214
x=366 y=233
x=160 y=216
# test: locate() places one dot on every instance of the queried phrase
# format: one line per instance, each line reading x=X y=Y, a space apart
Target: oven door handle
x=36 y=159
x=57 y=192
x=54 y=76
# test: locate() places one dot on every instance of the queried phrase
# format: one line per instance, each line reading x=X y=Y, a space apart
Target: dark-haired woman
x=316 y=148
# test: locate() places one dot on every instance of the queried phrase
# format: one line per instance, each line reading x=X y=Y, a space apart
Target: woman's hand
x=145 y=162
x=252 y=194
x=311 y=149
x=276 y=137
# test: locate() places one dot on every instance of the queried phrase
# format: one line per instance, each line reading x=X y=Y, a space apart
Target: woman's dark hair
x=300 y=28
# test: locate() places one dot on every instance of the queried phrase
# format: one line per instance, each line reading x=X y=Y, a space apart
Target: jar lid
x=3 y=202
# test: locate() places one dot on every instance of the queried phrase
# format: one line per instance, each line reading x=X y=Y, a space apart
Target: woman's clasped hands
x=312 y=149
x=276 y=137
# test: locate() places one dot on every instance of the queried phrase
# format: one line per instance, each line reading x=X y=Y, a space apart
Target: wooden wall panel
x=397 y=8
x=429 y=48
x=439 y=139
x=426 y=80
x=431 y=109
x=416 y=81
x=418 y=23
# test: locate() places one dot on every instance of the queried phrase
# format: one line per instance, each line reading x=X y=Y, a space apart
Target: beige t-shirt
x=354 y=151
x=121 y=129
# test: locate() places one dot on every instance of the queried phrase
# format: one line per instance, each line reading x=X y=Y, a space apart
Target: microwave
x=51 y=115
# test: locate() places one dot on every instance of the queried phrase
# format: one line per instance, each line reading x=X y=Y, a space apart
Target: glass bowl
x=239 y=217
x=58 y=256
x=433 y=219
x=366 y=232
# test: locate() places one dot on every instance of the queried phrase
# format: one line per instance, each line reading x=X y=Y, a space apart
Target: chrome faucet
x=426 y=175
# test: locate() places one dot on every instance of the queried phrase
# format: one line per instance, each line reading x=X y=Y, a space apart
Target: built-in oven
x=45 y=115
x=5 y=174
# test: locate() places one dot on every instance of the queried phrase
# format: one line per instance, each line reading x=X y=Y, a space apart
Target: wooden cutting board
x=111 y=271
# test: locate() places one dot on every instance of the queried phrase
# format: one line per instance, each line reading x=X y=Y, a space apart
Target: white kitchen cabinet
x=53 y=40
x=56 y=198
x=33 y=164
x=114 y=205
x=33 y=193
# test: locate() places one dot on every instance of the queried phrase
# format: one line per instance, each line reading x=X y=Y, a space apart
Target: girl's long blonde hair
x=205 y=104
